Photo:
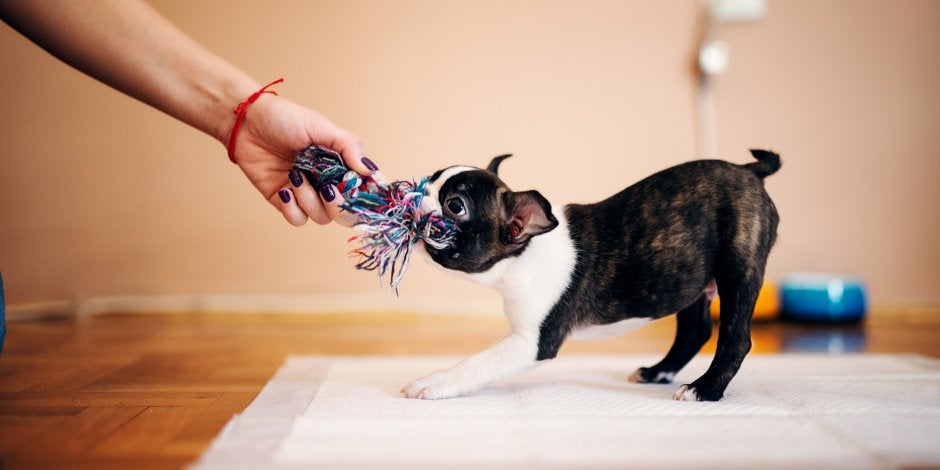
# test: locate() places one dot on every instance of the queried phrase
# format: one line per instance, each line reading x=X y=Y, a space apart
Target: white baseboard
x=227 y=303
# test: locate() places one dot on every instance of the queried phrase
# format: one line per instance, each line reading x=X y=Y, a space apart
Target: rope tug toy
x=390 y=217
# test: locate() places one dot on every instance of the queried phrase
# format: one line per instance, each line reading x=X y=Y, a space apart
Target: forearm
x=131 y=47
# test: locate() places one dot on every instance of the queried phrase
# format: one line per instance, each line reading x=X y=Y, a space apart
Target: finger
x=334 y=201
x=307 y=198
x=350 y=148
x=284 y=200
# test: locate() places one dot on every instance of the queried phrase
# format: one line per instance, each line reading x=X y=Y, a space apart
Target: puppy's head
x=495 y=222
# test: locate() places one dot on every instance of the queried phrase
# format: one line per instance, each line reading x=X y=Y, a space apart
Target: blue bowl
x=818 y=297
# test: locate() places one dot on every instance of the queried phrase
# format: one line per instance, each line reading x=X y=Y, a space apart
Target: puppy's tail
x=767 y=163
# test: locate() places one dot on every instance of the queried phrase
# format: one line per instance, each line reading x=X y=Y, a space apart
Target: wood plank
x=18 y=430
x=77 y=434
x=192 y=439
x=147 y=433
x=82 y=399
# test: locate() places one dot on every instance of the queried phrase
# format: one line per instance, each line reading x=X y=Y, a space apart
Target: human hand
x=274 y=130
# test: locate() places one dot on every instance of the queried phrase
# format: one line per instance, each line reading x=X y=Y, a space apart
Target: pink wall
x=100 y=195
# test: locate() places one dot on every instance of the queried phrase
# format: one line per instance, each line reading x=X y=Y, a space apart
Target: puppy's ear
x=494 y=163
x=529 y=214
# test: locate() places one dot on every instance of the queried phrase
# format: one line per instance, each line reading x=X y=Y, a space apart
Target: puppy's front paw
x=436 y=386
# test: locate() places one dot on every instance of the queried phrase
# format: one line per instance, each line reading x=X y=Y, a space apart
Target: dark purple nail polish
x=295 y=178
x=327 y=192
x=284 y=195
x=368 y=163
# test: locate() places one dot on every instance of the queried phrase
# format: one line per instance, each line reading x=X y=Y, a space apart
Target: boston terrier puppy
x=666 y=244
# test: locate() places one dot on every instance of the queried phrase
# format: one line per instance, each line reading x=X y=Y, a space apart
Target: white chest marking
x=609 y=330
x=532 y=282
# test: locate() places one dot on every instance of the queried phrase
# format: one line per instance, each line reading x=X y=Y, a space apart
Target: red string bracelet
x=240 y=111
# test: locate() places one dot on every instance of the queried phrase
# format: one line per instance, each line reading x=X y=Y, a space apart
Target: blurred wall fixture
x=713 y=58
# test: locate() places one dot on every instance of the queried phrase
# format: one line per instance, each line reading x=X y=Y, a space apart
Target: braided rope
x=390 y=217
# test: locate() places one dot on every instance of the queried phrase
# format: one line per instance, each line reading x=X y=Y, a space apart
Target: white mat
x=781 y=411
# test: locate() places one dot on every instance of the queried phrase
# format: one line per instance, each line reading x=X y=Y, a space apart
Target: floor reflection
x=832 y=339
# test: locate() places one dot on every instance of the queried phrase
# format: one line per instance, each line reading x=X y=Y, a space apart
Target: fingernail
x=369 y=164
x=295 y=178
x=284 y=195
x=327 y=192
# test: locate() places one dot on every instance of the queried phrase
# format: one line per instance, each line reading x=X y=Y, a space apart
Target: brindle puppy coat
x=658 y=247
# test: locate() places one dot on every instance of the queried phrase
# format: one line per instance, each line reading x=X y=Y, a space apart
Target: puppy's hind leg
x=738 y=296
x=693 y=329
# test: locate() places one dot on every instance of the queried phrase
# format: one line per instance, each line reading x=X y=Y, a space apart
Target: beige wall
x=100 y=195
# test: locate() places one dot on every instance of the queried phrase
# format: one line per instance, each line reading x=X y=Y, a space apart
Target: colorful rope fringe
x=390 y=217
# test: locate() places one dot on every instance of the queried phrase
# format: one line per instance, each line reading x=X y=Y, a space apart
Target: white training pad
x=781 y=411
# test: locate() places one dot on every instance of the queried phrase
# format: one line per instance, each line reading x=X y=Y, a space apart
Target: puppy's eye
x=456 y=206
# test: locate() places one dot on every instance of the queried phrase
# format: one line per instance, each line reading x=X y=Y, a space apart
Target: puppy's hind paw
x=686 y=393
x=692 y=392
x=645 y=375
x=637 y=376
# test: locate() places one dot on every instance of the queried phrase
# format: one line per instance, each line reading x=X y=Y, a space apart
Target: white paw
x=661 y=377
x=686 y=393
x=664 y=377
x=636 y=377
x=436 y=386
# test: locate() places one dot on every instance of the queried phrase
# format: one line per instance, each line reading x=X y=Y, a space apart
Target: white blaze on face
x=432 y=201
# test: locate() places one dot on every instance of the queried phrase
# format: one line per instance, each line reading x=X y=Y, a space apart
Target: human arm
x=129 y=46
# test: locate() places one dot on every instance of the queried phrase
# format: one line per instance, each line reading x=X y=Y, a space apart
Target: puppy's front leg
x=512 y=355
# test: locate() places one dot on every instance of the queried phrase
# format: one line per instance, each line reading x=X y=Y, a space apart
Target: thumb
x=350 y=149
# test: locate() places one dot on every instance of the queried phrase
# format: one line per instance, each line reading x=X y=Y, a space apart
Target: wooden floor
x=153 y=390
